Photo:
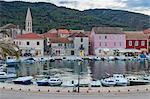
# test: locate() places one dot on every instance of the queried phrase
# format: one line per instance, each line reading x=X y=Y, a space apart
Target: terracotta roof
x=8 y=26
x=76 y=31
x=147 y=31
x=81 y=34
x=136 y=36
x=59 y=40
x=49 y=35
x=107 y=30
x=63 y=31
x=29 y=36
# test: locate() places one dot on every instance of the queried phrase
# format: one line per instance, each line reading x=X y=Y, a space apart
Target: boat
x=120 y=80
x=4 y=75
x=30 y=60
x=108 y=82
x=2 y=67
x=136 y=80
x=111 y=58
x=95 y=83
x=23 y=80
x=54 y=81
x=146 y=77
x=12 y=61
x=97 y=58
x=42 y=82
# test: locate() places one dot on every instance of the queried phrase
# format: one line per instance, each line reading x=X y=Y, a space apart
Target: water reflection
x=97 y=69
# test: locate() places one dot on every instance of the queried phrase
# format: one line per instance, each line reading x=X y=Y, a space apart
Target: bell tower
x=28 y=22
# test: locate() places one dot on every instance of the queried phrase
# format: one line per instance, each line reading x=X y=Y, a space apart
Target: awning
x=129 y=50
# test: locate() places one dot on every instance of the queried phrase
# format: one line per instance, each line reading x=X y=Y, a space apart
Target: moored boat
x=4 y=75
x=43 y=82
x=23 y=80
x=120 y=80
x=54 y=81
x=136 y=80
x=108 y=82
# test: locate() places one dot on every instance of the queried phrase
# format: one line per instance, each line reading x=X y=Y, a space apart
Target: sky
x=139 y=6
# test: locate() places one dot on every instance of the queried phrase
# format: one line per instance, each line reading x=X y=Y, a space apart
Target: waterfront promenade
x=11 y=91
x=69 y=90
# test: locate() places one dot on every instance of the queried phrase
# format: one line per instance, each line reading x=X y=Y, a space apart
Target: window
x=19 y=43
x=81 y=39
x=38 y=43
x=130 y=43
x=136 y=43
x=59 y=44
x=120 y=44
x=28 y=43
x=105 y=37
x=105 y=43
x=143 y=43
x=99 y=37
x=100 y=44
x=114 y=43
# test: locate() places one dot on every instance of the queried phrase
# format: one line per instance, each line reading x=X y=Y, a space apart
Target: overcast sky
x=140 y=6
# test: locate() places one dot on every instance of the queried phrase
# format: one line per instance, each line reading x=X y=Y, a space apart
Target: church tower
x=28 y=22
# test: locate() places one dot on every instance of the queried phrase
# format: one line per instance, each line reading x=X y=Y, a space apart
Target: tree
x=7 y=47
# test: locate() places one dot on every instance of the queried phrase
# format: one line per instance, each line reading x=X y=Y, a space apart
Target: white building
x=30 y=43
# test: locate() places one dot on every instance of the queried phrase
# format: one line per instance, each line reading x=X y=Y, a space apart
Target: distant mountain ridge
x=46 y=16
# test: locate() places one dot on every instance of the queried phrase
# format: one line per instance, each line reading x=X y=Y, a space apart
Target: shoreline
x=67 y=90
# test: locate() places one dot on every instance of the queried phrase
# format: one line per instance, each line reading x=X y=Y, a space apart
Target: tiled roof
x=8 y=26
x=147 y=31
x=63 y=31
x=59 y=40
x=29 y=36
x=136 y=36
x=81 y=34
x=107 y=30
x=49 y=35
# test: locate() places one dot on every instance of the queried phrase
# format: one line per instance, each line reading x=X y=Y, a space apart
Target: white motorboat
x=108 y=82
x=4 y=75
x=120 y=80
x=146 y=77
x=30 y=60
x=23 y=80
x=136 y=80
x=54 y=81
x=97 y=58
x=95 y=83
x=111 y=58
x=42 y=82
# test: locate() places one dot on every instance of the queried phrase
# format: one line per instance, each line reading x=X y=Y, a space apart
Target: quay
x=69 y=90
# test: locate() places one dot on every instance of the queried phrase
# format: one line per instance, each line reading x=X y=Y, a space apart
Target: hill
x=47 y=15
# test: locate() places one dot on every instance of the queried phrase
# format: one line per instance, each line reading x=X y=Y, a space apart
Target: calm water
x=97 y=69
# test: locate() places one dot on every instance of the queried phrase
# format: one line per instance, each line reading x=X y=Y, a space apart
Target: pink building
x=107 y=39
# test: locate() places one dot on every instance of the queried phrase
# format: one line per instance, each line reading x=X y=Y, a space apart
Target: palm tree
x=7 y=47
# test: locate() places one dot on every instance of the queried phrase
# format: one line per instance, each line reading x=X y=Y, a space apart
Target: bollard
x=108 y=90
x=11 y=88
x=28 y=89
x=137 y=90
x=128 y=90
x=87 y=91
x=146 y=89
x=48 y=90
x=3 y=87
x=20 y=89
x=98 y=91
x=39 y=90
x=118 y=90
x=68 y=91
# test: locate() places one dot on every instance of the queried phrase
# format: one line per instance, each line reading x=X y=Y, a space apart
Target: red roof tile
x=79 y=35
x=29 y=36
x=63 y=31
x=49 y=35
x=147 y=31
x=59 y=40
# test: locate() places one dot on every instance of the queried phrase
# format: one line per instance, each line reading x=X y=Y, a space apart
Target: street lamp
x=79 y=73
